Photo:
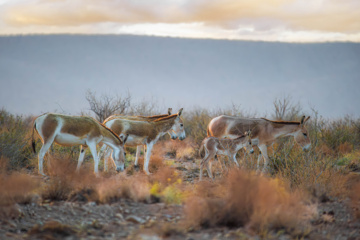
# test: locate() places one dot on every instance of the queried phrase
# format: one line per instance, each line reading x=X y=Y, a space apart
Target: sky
x=267 y=20
x=47 y=73
x=184 y=53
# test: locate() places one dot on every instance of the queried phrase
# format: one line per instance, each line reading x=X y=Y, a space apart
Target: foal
x=215 y=146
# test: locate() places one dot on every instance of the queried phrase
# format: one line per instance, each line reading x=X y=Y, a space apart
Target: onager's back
x=229 y=147
x=148 y=132
x=264 y=132
x=131 y=118
x=76 y=130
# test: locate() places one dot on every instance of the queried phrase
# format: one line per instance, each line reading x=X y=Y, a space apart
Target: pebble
x=119 y=215
x=135 y=219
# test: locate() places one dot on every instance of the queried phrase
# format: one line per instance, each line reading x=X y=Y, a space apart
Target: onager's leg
x=92 y=147
x=208 y=167
x=45 y=147
x=234 y=159
x=107 y=155
x=81 y=157
x=203 y=162
x=147 y=157
x=263 y=149
x=208 y=162
x=103 y=154
x=138 y=153
x=258 y=161
x=222 y=162
x=201 y=168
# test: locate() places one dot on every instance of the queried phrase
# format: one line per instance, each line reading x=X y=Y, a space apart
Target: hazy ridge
x=40 y=72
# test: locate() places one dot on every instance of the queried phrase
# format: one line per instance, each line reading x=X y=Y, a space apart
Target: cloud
x=332 y=17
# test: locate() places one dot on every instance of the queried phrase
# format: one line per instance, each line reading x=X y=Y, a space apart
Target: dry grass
x=355 y=198
x=65 y=182
x=135 y=187
x=182 y=150
x=246 y=199
x=17 y=188
x=51 y=230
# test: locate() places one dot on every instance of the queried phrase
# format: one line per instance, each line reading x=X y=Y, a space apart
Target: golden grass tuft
x=345 y=148
x=246 y=199
x=355 y=200
x=156 y=162
x=135 y=187
x=51 y=230
x=65 y=183
x=17 y=188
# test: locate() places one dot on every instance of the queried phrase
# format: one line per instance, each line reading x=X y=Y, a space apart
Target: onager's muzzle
x=182 y=135
x=120 y=169
x=306 y=147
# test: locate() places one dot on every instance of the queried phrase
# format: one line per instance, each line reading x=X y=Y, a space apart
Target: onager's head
x=119 y=155
x=178 y=130
x=248 y=143
x=301 y=134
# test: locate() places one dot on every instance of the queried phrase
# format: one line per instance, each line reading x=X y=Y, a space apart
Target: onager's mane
x=282 y=122
x=103 y=125
x=154 y=116
x=111 y=131
x=242 y=136
x=166 y=118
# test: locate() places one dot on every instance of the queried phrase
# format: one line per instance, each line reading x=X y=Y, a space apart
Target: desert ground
x=171 y=203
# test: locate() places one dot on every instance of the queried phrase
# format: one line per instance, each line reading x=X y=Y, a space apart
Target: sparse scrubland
x=304 y=195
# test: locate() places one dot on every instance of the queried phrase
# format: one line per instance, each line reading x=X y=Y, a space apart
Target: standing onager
x=263 y=131
x=70 y=131
x=148 y=132
x=215 y=146
x=135 y=118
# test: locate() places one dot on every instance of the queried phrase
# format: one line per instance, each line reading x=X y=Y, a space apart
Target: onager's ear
x=122 y=137
x=124 y=141
x=180 y=111
x=302 y=120
x=169 y=111
x=248 y=133
x=306 y=119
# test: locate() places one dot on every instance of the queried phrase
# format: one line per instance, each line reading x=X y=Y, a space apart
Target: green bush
x=15 y=140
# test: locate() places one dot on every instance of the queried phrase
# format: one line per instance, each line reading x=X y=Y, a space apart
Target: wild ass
x=263 y=131
x=72 y=130
x=136 y=118
x=217 y=146
x=148 y=132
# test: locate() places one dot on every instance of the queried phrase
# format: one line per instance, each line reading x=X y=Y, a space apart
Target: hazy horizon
x=46 y=73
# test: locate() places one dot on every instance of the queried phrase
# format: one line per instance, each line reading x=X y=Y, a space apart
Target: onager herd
x=226 y=136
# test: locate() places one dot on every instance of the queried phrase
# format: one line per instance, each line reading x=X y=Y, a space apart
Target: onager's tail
x=32 y=138
x=201 y=150
x=208 y=131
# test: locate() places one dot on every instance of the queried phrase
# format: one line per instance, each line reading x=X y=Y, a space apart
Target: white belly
x=69 y=140
x=133 y=140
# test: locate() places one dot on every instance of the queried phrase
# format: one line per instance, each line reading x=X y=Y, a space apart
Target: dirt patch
x=94 y=211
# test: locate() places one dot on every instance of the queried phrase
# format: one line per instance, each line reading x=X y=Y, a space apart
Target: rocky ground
x=127 y=219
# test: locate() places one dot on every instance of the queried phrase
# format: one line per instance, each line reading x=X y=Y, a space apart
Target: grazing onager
x=135 y=118
x=148 y=132
x=71 y=130
x=263 y=131
x=229 y=147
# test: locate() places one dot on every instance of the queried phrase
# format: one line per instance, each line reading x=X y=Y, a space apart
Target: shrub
x=249 y=200
x=14 y=140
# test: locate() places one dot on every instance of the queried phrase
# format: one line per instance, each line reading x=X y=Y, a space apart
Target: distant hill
x=42 y=73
